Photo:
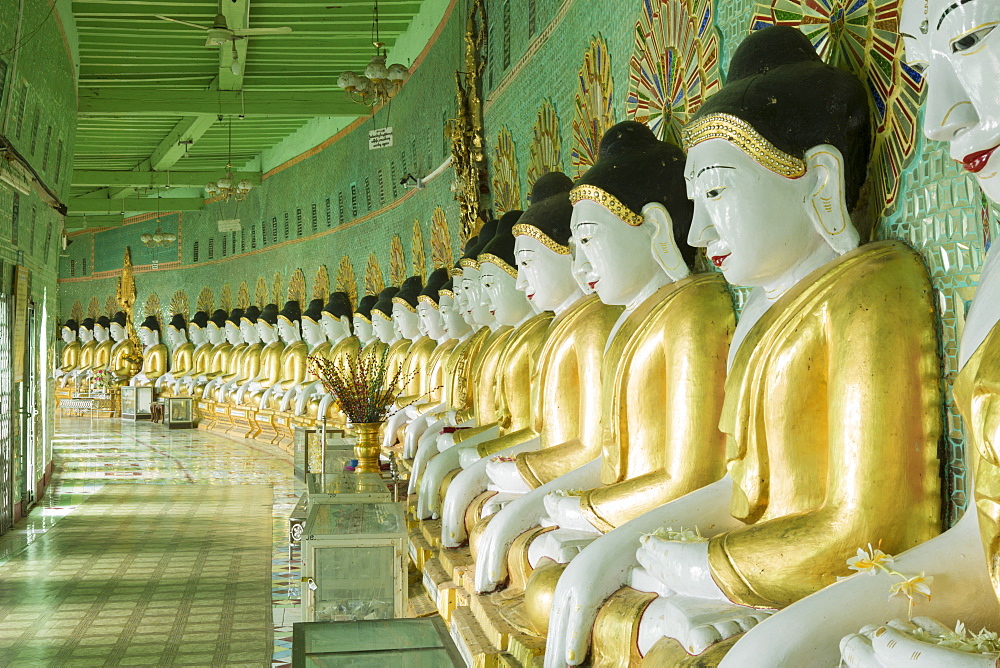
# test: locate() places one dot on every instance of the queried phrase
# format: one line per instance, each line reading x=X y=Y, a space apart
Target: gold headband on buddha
x=608 y=201
x=454 y=272
x=286 y=319
x=405 y=304
x=525 y=230
x=468 y=263
x=427 y=299
x=743 y=135
x=498 y=261
x=363 y=317
x=446 y=292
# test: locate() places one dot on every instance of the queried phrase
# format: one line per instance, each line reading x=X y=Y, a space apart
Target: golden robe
x=70 y=356
x=565 y=390
x=154 y=362
x=977 y=393
x=833 y=415
x=482 y=383
x=416 y=367
x=118 y=366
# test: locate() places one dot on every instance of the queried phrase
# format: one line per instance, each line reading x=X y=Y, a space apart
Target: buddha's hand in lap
x=696 y=623
x=468 y=456
x=504 y=476
x=907 y=643
x=563 y=510
x=681 y=566
x=445 y=441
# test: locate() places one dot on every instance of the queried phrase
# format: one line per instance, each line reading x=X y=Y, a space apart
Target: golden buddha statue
x=154 y=353
x=415 y=359
x=248 y=361
x=121 y=348
x=822 y=418
x=181 y=357
x=269 y=360
x=336 y=323
x=292 y=370
x=200 y=355
x=234 y=336
x=218 y=355
x=102 y=352
x=315 y=339
x=395 y=346
x=70 y=352
x=87 y=346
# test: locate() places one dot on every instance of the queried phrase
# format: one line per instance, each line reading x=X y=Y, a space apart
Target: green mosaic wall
x=535 y=51
x=38 y=118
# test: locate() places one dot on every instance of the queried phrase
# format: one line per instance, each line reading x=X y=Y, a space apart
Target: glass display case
x=354 y=561
x=346 y=486
x=178 y=412
x=401 y=643
x=308 y=457
x=135 y=402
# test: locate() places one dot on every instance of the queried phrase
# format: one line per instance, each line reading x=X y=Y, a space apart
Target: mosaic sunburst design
x=397 y=262
x=152 y=306
x=243 y=296
x=260 y=293
x=506 y=184
x=297 y=288
x=110 y=306
x=180 y=303
x=346 y=281
x=374 y=281
x=593 y=106
x=418 y=253
x=545 y=152
x=278 y=290
x=93 y=308
x=441 y=255
x=205 y=301
x=863 y=36
x=674 y=65
x=226 y=298
x=76 y=311
x=321 y=283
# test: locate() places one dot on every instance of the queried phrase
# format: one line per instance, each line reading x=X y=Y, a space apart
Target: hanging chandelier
x=379 y=83
x=227 y=187
x=158 y=239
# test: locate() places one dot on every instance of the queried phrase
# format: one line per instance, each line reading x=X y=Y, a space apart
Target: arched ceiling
x=151 y=92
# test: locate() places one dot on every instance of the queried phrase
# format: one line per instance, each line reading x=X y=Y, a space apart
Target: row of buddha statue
x=620 y=471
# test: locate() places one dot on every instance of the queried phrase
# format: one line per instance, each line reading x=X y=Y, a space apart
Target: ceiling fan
x=220 y=32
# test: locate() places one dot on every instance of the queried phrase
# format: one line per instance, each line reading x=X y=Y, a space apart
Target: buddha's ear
x=826 y=203
x=665 y=249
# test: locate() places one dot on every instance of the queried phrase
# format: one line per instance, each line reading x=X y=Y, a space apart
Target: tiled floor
x=89 y=454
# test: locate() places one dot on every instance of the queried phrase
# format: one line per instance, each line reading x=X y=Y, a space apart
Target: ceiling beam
x=153 y=179
x=76 y=223
x=160 y=102
x=134 y=205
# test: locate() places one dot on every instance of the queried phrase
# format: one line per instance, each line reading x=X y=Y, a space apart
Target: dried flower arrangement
x=361 y=384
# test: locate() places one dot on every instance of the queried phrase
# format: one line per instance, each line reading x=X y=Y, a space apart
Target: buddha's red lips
x=717 y=260
x=531 y=296
x=593 y=284
x=976 y=162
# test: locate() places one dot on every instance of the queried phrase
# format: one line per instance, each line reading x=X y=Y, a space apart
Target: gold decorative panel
x=110 y=306
x=346 y=281
x=397 y=263
x=260 y=293
x=179 y=303
x=93 y=308
x=545 y=152
x=321 y=283
x=278 y=290
x=593 y=106
x=506 y=181
x=374 y=282
x=76 y=311
x=206 y=300
x=152 y=306
x=226 y=298
x=243 y=296
x=418 y=254
x=441 y=255
x=297 y=288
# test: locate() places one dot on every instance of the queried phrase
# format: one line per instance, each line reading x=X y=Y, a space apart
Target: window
x=224 y=246
x=83 y=266
x=506 y=35
x=253 y=236
x=287 y=226
x=402 y=161
x=274 y=230
x=532 y=18
x=298 y=222
x=211 y=248
x=195 y=252
x=368 y=195
x=243 y=241
x=381 y=187
x=34 y=130
x=15 y=219
x=59 y=157
x=34 y=225
x=340 y=208
x=24 y=109
x=48 y=241
x=329 y=213
x=45 y=149
x=72 y=267
x=354 y=200
x=394 y=178
x=315 y=219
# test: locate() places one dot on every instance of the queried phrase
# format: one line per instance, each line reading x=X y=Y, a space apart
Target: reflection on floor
x=89 y=454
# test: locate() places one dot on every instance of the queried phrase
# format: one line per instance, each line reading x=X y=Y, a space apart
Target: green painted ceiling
x=151 y=91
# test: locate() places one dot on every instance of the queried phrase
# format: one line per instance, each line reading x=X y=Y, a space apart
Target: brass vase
x=368 y=447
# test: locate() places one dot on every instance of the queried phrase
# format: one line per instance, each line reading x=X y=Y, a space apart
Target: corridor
x=152 y=547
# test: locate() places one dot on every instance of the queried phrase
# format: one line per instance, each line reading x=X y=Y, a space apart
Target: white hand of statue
x=564 y=511
x=695 y=623
x=899 y=643
x=504 y=477
x=445 y=441
x=468 y=456
x=681 y=566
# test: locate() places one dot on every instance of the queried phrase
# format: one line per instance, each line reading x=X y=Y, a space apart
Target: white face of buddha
x=117 y=332
x=197 y=334
x=475 y=299
x=619 y=255
x=407 y=322
x=249 y=331
x=266 y=331
x=216 y=334
x=363 y=329
x=958 y=51
x=86 y=335
x=452 y=316
x=735 y=200
x=176 y=336
x=383 y=327
x=580 y=268
x=100 y=333
x=335 y=328
x=147 y=336
x=312 y=332
x=431 y=320
x=233 y=335
x=506 y=303
x=544 y=276
x=68 y=335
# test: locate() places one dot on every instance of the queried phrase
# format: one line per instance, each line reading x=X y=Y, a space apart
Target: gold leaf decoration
x=205 y=301
x=226 y=298
x=243 y=296
x=674 y=66
x=346 y=281
x=93 y=308
x=76 y=311
x=545 y=152
x=374 y=281
x=506 y=183
x=417 y=252
x=152 y=306
x=110 y=306
x=297 y=288
x=179 y=303
x=441 y=255
x=321 y=283
x=593 y=105
x=278 y=290
x=260 y=293
x=397 y=262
